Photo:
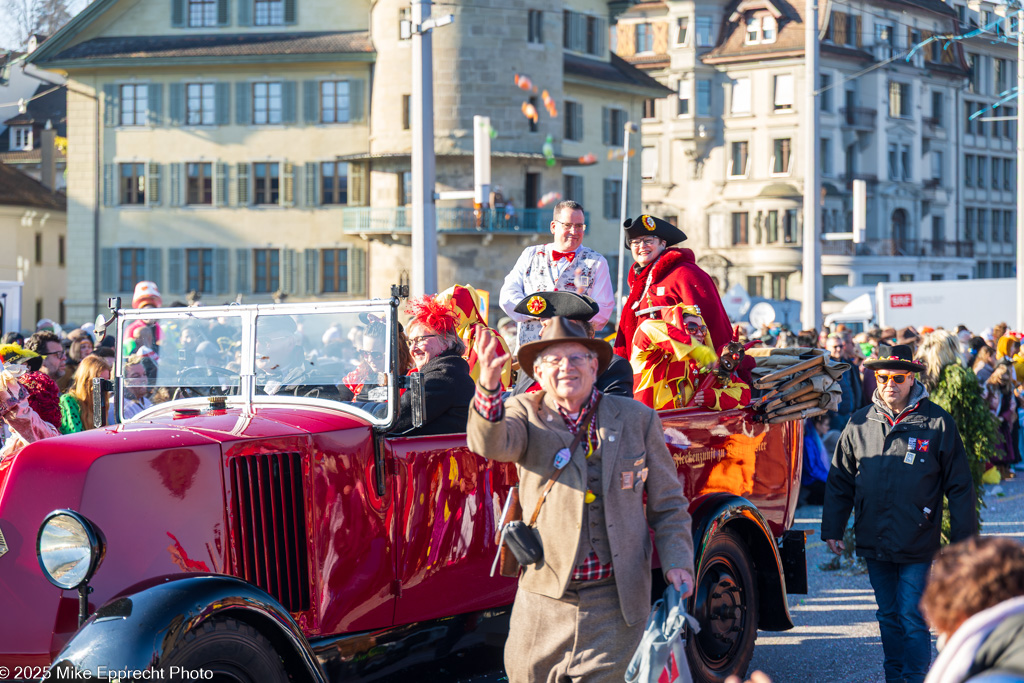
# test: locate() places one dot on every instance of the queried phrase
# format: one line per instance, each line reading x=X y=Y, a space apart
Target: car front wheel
x=225 y=651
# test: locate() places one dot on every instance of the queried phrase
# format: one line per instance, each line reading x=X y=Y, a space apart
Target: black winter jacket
x=448 y=391
x=1002 y=653
x=892 y=471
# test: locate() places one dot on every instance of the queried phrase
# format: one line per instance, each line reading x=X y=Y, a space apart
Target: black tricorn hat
x=894 y=358
x=566 y=304
x=559 y=331
x=645 y=225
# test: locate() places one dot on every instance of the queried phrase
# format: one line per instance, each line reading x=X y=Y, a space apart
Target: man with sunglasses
x=895 y=461
x=565 y=265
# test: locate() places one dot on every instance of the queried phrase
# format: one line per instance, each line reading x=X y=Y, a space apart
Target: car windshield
x=336 y=353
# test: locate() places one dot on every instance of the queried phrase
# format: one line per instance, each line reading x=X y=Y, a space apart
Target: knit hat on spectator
x=146 y=293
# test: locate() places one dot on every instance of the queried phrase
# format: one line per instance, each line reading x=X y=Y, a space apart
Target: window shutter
x=289 y=12
x=287 y=184
x=243 y=184
x=155 y=102
x=155 y=265
x=153 y=197
x=310 y=101
x=223 y=13
x=110 y=270
x=245 y=12
x=578 y=123
x=608 y=203
x=356 y=103
x=606 y=126
x=312 y=263
x=176 y=270
x=357 y=184
x=855 y=27
x=109 y=185
x=176 y=104
x=286 y=283
x=220 y=270
x=177 y=13
x=220 y=189
x=312 y=183
x=111 y=104
x=356 y=271
x=174 y=199
x=243 y=282
x=288 y=104
x=602 y=36
x=222 y=106
x=243 y=96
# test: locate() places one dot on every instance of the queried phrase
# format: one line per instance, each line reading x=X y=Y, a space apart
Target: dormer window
x=761 y=29
x=753 y=30
x=768 y=29
x=21 y=138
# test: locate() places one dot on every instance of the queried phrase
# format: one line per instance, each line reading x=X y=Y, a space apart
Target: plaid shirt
x=574 y=424
x=488 y=404
x=591 y=569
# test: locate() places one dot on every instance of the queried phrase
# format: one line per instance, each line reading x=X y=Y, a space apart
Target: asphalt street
x=836 y=636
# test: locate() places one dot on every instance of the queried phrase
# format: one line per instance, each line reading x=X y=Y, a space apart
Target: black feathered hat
x=565 y=304
x=646 y=225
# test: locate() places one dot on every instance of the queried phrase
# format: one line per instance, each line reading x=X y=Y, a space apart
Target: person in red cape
x=665 y=275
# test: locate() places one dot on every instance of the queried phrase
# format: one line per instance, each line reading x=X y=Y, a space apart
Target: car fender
x=718 y=511
x=136 y=629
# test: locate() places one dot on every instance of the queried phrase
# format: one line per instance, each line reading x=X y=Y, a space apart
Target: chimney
x=48 y=165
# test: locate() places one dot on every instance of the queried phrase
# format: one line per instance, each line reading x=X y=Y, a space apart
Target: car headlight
x=69 y=548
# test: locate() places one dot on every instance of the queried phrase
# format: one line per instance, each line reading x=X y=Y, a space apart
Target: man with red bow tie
x=563 y=265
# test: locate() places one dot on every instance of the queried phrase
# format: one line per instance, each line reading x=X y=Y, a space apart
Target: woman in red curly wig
x=437 y=353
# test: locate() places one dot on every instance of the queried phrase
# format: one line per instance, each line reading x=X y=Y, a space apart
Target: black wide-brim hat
x=565 y=304
x=647 y=225
x=562 y=331
x=894 y=358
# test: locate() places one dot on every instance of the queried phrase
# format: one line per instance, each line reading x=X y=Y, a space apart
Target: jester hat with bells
x=662 y=353
x=466 y=305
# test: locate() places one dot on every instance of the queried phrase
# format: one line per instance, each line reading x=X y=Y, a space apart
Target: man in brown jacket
x=580 y=612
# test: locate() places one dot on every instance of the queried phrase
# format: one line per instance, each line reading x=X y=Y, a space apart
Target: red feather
x=428 y=311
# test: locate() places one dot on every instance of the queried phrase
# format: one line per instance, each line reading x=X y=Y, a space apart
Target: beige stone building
x=724 y=153
x=261 y=148
x=33 y=230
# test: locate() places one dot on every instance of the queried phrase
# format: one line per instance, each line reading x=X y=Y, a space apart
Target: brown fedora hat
x=560 y=331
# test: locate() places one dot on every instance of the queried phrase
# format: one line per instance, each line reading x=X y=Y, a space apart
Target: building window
x=39 y=248
x=899 y=100
x=1009 y=175
x=825 y=92
x=937 y=108
x=905 y=162
x=894 y=161
x=644 y=38
x=685 y=89
x=741 y=96
x=202 y=13
x=703 y=98
x=615 y=121
x=267 y=269
x=405 y=188
x=769 y=29
x=535 y=122
x=198 y=271
x=982 y=224
x=61 y=251
x=612 y=197
x=1002 y=75
x=969 y=224
x=649 y=163
x=199 y=183
x=269 y=13
x=980 y=179
x=705 y=37
x=406 y=111
x=830 y=281
x=783 y=92
x=682 y=29
x=266 y=103
x=755 y=285
x=133 y=184
x=266 y=182
x=21 y=138
x=740 y=159
x=753 y=30
x=825 y=150
x=131 y=268
x=997 y=225
x=970 y=126
x=781 y=155
x=134 y=105
x=334 y=182
x=789 y=226
x=772 y=227
x=740 y=223
x=594 y=28
x=973 y=73
x=1008 y=231
x=780 y=286
x=937 y=165
x=334 y=102
x=573 y=121
x=535 y=26
x=572 y=187
x=200 y=104
x=997 y=173
x=583 y=33
x=334 y=271
x=650 y=109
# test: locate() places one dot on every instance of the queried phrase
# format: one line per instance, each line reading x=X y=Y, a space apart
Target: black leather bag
x=524 y=542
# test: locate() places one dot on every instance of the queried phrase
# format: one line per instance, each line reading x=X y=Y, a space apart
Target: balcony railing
x=465 y=220
x=913 y=248
x=859 y=117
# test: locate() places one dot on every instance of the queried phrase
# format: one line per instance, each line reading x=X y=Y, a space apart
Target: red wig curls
x=428 y=311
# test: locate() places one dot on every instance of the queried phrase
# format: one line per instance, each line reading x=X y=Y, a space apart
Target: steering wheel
x=212 y=388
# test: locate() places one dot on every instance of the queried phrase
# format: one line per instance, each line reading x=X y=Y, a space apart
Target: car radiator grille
x=268 y=526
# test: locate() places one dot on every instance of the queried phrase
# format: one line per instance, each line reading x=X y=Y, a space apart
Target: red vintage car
x=254 y=520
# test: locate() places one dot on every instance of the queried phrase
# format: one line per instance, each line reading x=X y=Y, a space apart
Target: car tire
x=231 y=650
x=725 y=604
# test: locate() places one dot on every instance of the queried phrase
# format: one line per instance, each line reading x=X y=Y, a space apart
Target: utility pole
x=1020 y=170
x=810 y=310
x=630 y=127
x=424 y=207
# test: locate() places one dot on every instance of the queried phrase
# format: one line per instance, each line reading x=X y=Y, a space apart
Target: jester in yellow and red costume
x=470 y=323
x=672 y=363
